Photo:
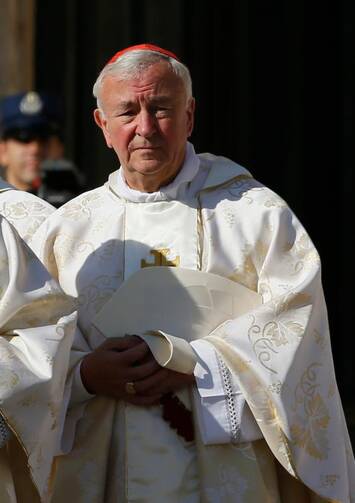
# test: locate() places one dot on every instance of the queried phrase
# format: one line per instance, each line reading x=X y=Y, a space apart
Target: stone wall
x=17 y=28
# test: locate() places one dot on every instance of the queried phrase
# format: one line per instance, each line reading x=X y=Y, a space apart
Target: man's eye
x=126 y=113
x=162 y=111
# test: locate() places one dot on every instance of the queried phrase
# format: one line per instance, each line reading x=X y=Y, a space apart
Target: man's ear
x=190 y=111
x=102 y=123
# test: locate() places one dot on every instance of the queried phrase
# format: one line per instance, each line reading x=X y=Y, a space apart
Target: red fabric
x=143 y=47
x=36 y=183
x=178 y=416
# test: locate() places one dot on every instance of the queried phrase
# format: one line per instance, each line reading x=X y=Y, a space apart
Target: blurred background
x=274 y=83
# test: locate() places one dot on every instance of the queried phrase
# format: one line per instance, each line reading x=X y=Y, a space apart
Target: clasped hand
x=117 y=361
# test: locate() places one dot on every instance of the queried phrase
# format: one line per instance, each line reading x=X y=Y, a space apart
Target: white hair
x=133 y=63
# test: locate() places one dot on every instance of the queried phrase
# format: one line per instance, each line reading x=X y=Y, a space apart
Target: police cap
x=24 y=116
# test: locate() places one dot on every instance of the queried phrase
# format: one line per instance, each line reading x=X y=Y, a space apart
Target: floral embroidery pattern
x=329 y=480
x=268 y=339
x=82 y=207
x=229 y=216
x=275 y=387
x=246 y=274
x=8 y=380
x=66 y=246
x=262 y=344
x=319 y=338
x=309 y=429
x=98 y=292
x=231 y=483
x=305 y=253
x=243 y=187
x=275 y=202
x=26 y=218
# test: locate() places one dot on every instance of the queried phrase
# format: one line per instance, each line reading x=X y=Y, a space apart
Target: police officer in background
x=29 y=122
x=26 y=122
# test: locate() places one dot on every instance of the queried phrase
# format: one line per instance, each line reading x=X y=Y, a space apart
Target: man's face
x=147 y=121
x=22 y=160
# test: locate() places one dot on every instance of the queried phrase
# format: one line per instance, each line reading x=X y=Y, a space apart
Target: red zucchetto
x=142 y=47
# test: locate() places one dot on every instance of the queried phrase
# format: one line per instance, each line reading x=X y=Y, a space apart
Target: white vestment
x=25 y=211
x=276 y=357
x=36 y=334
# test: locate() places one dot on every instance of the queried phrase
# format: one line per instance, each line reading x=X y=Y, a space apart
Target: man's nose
x=146 y=124
x=35 y=146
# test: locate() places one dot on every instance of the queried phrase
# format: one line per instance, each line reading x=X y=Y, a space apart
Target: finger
x=120 y=343
x=134 y=336
x=135 y=354
x=142 y=371
x=152 y=381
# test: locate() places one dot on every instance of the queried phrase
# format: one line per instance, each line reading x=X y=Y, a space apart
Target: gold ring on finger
x=130 y=388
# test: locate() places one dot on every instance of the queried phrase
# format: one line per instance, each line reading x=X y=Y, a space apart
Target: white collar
x=171 y=191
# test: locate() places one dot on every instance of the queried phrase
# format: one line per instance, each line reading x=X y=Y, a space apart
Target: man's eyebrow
x=125 y=104
x=161 y=99
x=154 y=100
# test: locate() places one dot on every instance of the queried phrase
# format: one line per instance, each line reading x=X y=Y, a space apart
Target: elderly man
x=269 y=424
